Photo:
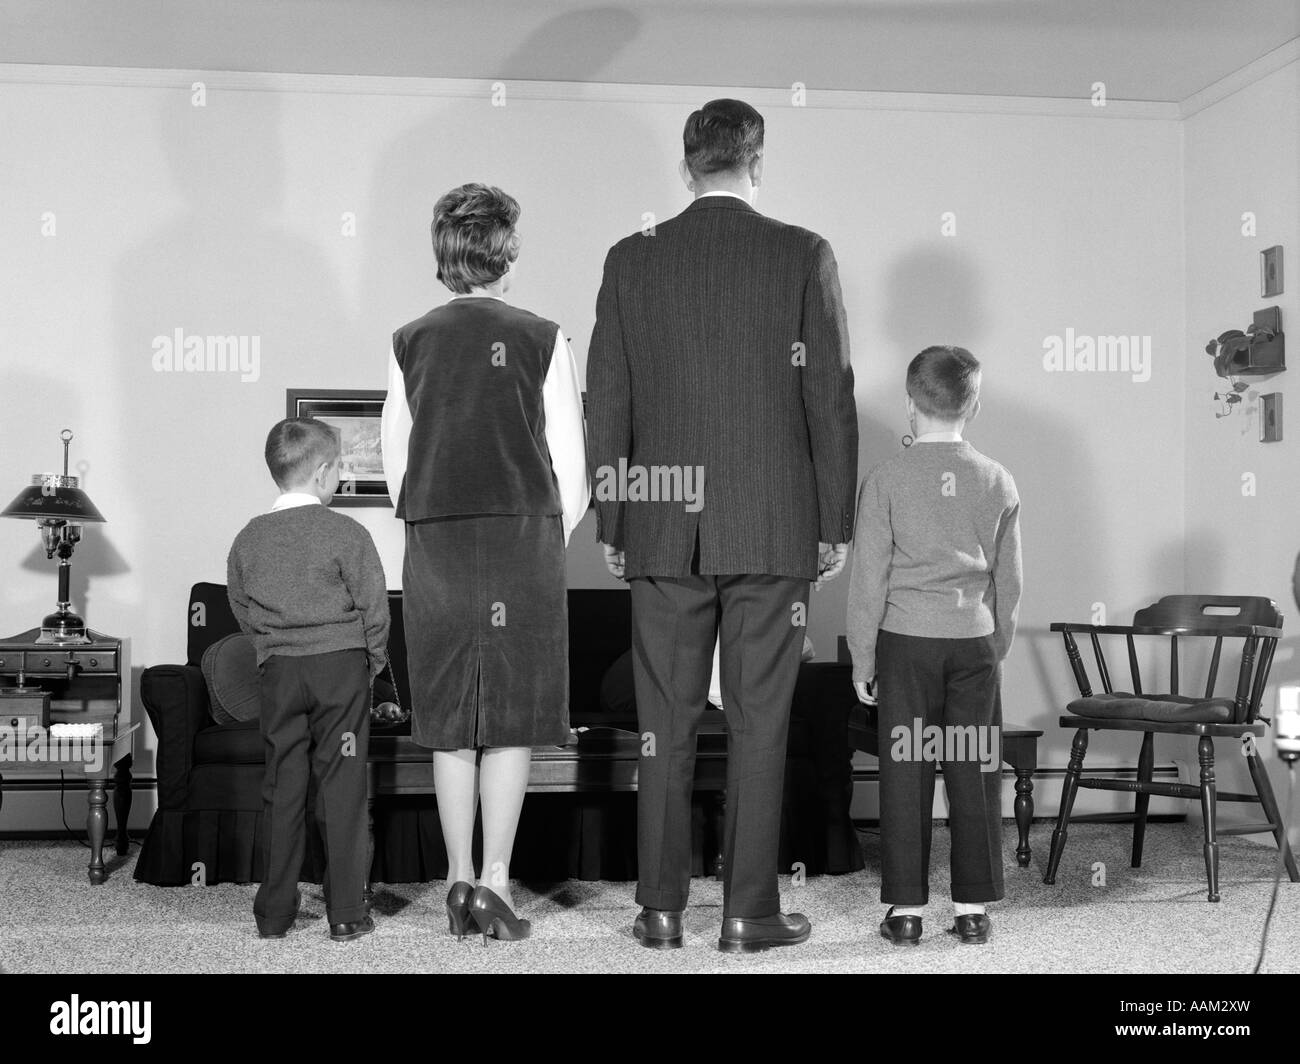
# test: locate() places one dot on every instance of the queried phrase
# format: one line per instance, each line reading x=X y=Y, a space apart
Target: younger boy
x=931 y=614
x=307 y=587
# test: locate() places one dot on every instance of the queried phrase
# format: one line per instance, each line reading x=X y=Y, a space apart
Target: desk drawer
x=54 y=662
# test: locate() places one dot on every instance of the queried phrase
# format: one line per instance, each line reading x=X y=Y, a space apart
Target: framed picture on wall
x=356 y=415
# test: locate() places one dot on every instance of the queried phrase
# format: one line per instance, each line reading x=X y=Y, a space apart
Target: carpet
x=1101 y=916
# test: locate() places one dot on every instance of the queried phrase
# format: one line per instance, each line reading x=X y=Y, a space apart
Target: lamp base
x=63 y=628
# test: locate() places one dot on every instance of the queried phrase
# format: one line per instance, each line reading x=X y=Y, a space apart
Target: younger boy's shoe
x=355 y=929
x=901 y=930
x=972 y=930
x=278 y=928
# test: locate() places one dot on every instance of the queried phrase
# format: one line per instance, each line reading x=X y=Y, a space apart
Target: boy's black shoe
x=972 y=930
x=347 y=932
x=275 y=928
x=901 y=930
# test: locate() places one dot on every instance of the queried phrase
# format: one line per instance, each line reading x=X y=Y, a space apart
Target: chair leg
x=1266 y=799
x=1146 y=769
x=1072 y=773
x=1205 y=750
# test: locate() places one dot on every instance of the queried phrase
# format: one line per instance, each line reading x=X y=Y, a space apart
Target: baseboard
x=1048 y=784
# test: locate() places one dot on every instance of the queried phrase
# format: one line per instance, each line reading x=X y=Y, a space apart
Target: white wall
x=226 y=220
x=1240 y=543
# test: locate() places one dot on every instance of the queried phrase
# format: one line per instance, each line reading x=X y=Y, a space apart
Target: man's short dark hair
x=296 y=446
x=722 y=136
x=474 y=238
x=944 y=382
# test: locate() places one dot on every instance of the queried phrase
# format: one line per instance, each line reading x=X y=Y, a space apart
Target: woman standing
x=483 y=441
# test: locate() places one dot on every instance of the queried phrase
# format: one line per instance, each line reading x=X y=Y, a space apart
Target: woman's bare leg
x=503 y=778
x=455 y=780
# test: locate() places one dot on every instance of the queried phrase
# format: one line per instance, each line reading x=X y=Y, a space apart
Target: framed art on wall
x=356 y=415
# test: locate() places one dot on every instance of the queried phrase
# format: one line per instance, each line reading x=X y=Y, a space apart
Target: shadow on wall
x=224 y=273
x=552 y=180
x=935 y=296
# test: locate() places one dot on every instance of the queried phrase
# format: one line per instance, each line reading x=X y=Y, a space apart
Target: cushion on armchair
x=230 y=668
x=1164 y=709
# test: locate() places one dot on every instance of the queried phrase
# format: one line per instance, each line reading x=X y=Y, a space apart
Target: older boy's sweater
x=936 y=551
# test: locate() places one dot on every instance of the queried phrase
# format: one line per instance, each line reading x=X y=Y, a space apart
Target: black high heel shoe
x=458 y=909
x=494 y=918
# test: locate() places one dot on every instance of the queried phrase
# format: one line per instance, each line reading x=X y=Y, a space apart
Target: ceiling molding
x=1262 y=67
x=577 y=91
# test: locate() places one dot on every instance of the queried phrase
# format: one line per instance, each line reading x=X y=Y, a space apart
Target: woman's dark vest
x=474 y=370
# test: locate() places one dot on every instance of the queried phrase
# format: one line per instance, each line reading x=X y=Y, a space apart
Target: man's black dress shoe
x=277 y=928
x=901 y=930
x=741 y=935
x=972 y=930
x=355 y=929
x=658 y=929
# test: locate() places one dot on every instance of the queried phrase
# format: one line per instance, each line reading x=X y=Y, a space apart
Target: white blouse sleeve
x=395 y=428
x=565 y=434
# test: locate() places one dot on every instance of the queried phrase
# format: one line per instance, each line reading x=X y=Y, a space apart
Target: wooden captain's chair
x=1257 y=623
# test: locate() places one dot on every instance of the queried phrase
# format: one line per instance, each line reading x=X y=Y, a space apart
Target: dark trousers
x=951 y=683
x=675 y=623
x=315 y=722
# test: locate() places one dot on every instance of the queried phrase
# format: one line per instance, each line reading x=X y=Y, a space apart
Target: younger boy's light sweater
x=936 y=551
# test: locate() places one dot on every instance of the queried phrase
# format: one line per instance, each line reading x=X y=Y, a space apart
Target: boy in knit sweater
x=931 y=614
x=307 y=587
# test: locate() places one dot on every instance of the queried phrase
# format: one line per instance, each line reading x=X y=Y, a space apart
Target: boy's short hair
x=296 y=446
x=474 y=238
x=944 y=382
x=722 y=136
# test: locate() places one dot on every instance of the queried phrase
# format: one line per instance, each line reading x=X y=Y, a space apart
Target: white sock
x=908 y=910
x=962 y=908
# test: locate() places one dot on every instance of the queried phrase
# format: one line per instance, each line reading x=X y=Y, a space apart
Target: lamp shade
x=53 y=498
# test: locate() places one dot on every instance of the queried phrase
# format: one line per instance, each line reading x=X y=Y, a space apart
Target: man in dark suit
x=723 y=446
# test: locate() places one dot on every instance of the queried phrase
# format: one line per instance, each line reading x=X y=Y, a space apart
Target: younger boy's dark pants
x=951 y=683
x=315 y=721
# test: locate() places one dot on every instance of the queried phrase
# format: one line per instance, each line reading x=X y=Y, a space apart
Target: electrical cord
x=63 y=812
x=1281 y=859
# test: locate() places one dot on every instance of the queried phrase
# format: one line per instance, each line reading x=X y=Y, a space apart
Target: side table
x=84 y=681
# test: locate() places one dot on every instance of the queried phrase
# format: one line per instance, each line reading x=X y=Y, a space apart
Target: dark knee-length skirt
x=487 y=632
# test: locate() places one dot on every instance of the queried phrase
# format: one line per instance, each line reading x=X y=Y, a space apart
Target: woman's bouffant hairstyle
x=944 y=382
x=722 y=136
x=297 y=446
x=474 y=238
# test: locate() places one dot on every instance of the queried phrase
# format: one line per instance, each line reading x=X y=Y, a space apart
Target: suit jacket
x=721 y=343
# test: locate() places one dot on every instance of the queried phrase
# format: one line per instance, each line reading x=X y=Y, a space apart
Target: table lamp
x=59 y=508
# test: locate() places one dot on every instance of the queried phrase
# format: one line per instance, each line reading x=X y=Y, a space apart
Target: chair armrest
x=176 y=699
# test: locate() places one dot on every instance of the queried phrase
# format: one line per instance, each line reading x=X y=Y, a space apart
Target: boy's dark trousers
x=943 y=682
x=310 y=707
